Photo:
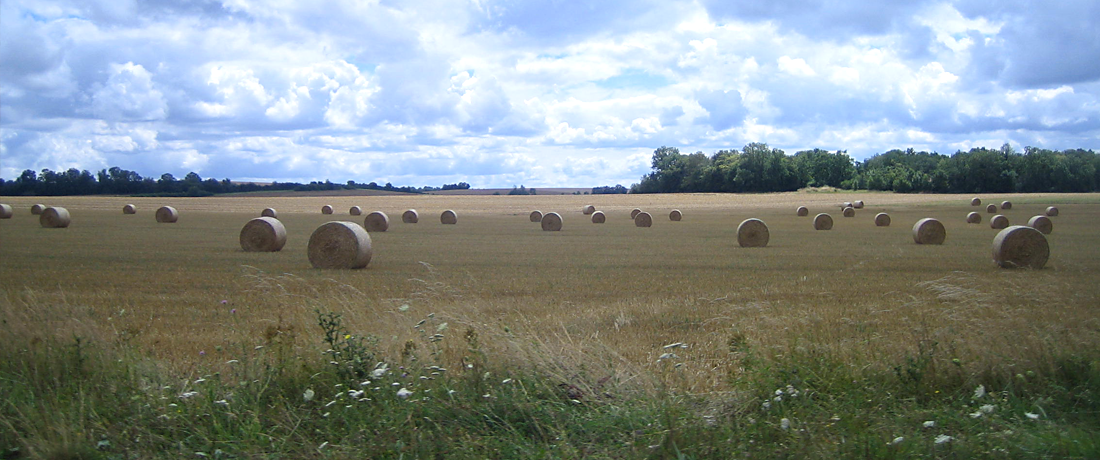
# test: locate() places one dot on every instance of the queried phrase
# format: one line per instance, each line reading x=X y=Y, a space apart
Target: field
x=870 y=333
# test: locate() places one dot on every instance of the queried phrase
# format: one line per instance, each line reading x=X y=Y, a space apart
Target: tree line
x=759 y=168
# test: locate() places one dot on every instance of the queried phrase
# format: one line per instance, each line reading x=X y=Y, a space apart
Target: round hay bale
x=1051 y=211
x=167 y=215
x=129 y=209
x=355 y=211
x=54 y=217
x=326 y=209
x=6 y=211
x=598 y=217
x=635 y=213
x=753 y=233
x=536 y=216
x=341 y=245
x=377 y=221
x=973 y=218
x=882 y=219
x=847 y=204
x=803 y=211
x=992 y=209
x=675 y=215
x=1042 y=224
x=410 y=217
x=1020 y=247
x=823 y=221
x=849 y=212
x=269 y=212
x=263 y=234
x=448 y=217
x=975 y=201
x=588 y=210
x=37 y=209
x=551 y=222
x=998 y=222
x=858 y=204
x=643 y=219
x=929 y=231
x=1006 y=205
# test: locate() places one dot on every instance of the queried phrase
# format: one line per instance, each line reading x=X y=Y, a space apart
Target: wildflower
x=778 y=399
x=979 y=392
x=380 y=370
x=767 y=405
x=785 y=423
x=308 y=395
x=976 y=414
x=929 y=424
x=897 y=440
x=403 y=393
x=233 y=311
x=222 y=402
x=189 y=394
x=1031 y=415
x=355 y=393
x=667 y=356
x=779 y=392
x=364 y=384
x=258 y=347
x=943 y=438
x=451 y=392
x=347 y=336
x=200 y=381
x=987 y=408
x=403 y=308
x=202 y=352
x=506 y=381
x=224 y=302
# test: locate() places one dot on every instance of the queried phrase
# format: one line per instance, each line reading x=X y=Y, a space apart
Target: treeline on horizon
x=759 y=168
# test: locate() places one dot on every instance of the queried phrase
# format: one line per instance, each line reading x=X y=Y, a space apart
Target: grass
x=551 y=341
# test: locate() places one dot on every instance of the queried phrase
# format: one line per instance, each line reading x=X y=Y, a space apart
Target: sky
x=544 y=93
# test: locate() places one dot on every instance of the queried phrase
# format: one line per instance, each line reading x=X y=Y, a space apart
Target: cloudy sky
x=542 y=92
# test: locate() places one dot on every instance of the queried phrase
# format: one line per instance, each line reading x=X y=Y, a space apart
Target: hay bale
x=1042 y=224
x=167 y=215
x=992 y=209
x=341 y=245
x=882 y=219
x=1006 y=205
x=448 y=217
x=269 y=212
x=410 y=217
x=263 y=234
x=1051 y=211
x=634 y=213
x=849 y=212
x=377 y=221
x=536 y=216
x=753 y=233
x=643 y=219
x=326 y=209
x=675 y=215
x=588 y=210
x=823 y=222
x=551 y=222
x=975 y=201
x=803 y=211
x=998 y=222
x=858 y=204
x=37 y=209
x=846 y=204
x=929 y=231
x=973 y=218
x=598 y=217
x=355 y=211
x=6 y=211
x=129 y=209
x=1020 y=247
x=54 y=217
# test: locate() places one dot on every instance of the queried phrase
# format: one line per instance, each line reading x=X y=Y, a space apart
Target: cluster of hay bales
x=339 y=245
x=6 y=211
x=355 y=211
x=882 y=219
x=998 y=222
x=129 y=209
x=551 y=222
x=410 y=217
x=588 y=210
x=54 y=217
x=36 y=210
x=167 y=215
x=598 y=217
x=802 y=211
x=675 y=215
x=326 y=209
x=376 y=221
x=929 y=231
x=849 y=212
x=753 y=233
x=448 y=217
x=269 y=212
x=1042 y=224
x=823 y=221
x=973 y=218
x=643 y=219
x=1020 y=247
x=536 y=216
x=263 y=234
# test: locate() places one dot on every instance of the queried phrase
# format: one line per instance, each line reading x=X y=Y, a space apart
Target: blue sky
x=542 y=93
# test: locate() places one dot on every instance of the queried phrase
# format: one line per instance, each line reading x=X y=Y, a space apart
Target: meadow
x=598 y=341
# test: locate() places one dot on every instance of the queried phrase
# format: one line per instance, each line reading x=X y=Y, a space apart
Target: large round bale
x=803 y=211
x=858 y=204
x=975 y=201
x=551 y=222
x=753 y=233
x=675 y=215
x=849 y=212
x=129 y=209
x=36 y=210
x=973 y=218
x=167 y=215
x=410 y=217
x=992 y=209
x=823 y=221
x=929 y=231
x=643 y=219
x=448 y=217
x=1006 y=205
x=6 y=211
x=598 y=217
x=342 y=245
x=882 y=219
x=634 y=213
x=376 y=221
x=355 y=211
x=1051 y=211
x=1042 y=224
x=54 y=217
x=536 y=216
x=1019 y=246
x=326 y=209
x=588 y=210
x=269 y=212
x=263 y=234
x=998 y=222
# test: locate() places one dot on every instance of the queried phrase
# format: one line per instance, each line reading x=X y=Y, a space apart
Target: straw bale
x=355 y=211
x=6 y=211
x=803 y=211
x=998 y=222
x=551 y=222
x=598 y=217
x=882 y=219
x=823 y=221
x=54 y=217
x=992 y=209
x=1042 y=224
x=643 y=219
x=129 y=209
x=1020 y=246
x=167 y=215
x=858 y=204
x=448 y=217
x=263 y=234
x=269 y=212
x=753 y=233
x=1051 y=211
x=326 y=209
x=975 y=201
x=1006 y=205
x=376 y=221
x=929 y=231
x=36 y=210
x=536 y=216
x=340 y=245
x=634 y=213
x=973 y=218
x=410 y=217
x=675 y=215
x=849 y=212
x=588 y=210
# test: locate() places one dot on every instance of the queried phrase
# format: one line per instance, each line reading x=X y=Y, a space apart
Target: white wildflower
x=897 y=440
x=355 y=393
x=364 y=384
x=979 y=392
x=943 y=438
x=380 y=370
x=987 y=408
x=200 y=381
x=403 y=393
x=188 y=394
x=785 y=423
x=308 y=395
x=222 y=402
x=929 y=424
x=779 y=392
x=778 y=399
x=451 y=392
x=1032 y=416
x=767 y=405
x=976 y=414
x=667 y=356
